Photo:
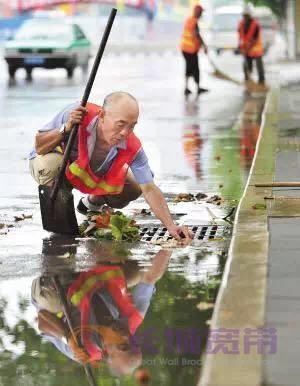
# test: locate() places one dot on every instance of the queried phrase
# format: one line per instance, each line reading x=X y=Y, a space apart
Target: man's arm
x=159 y=207
x=199 y=36
x=46 y=141
x=158 y=267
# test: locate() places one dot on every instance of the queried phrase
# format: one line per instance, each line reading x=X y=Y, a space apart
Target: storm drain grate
x=202 y=232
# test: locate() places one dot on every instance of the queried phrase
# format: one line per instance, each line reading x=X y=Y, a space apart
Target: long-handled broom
x=220 y=74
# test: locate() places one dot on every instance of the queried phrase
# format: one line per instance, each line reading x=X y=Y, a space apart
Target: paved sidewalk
x=282 y=307
x=260 y=284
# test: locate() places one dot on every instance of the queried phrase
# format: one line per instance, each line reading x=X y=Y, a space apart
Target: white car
x=225 y=21
x=47 y=43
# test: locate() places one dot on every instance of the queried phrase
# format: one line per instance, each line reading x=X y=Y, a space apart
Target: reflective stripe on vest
x=81 y=291
x=84 y=176
x=189 y=42
x=245 y=38
x=79 y=172
x=90 y=283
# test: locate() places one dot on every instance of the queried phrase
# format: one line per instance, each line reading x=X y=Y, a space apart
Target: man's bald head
x=118 y=99
x=119 y=115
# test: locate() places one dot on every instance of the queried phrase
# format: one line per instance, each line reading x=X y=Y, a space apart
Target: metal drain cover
x=202 y=232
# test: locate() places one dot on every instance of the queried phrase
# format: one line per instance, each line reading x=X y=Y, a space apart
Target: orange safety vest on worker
x=81 y=291
x=79 y=172
x=190 y=42
x=257 y=48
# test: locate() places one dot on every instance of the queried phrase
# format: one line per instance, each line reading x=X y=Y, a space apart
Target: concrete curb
x=241 y=300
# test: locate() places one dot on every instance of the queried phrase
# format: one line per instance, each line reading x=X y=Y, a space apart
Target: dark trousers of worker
x=248 y=68
x=192 y=66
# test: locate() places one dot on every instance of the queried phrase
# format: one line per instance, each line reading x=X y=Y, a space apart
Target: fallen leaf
x=217 y=158
x=203 y=306
x=27 y=216
x=259 y=206
x=145 y=212
x=18 y=218
x=200 y=196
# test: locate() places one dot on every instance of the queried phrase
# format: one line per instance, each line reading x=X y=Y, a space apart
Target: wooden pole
x=278 y=185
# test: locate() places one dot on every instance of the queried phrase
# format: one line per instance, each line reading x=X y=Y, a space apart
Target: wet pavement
x=193 y=146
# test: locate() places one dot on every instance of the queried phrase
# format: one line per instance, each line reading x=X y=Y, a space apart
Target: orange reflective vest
x=190 y=42
x=246 y=38
x=81 y=291
x=79 y=172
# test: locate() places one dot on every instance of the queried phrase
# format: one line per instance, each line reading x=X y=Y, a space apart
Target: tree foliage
x=277 y=6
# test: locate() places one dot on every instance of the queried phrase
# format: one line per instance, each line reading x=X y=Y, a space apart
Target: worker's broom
x=220 y=74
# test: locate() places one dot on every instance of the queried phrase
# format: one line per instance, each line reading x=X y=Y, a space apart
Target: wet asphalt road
x=192 y=146
x=166 y=122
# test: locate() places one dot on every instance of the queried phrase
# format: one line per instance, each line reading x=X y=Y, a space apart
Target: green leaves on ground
x=111 y=226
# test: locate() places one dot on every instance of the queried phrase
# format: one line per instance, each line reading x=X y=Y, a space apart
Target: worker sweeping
x=251 y=45
x=191 y=43
x=100 y=160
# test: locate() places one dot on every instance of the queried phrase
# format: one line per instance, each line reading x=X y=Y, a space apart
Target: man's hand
x=181 y=233
x=75 y=118
x=79 y=354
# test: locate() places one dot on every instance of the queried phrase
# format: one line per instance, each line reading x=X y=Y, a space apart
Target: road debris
x=110 y=225
x=217 y=200
x=167 y=244
x=22 y=217
x=200 y=196
x=146 y=212
x=204 y=306
x=259 y=206
x=184 y=197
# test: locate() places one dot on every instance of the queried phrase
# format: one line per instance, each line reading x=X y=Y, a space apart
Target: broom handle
x=73 y=135
x=62 y=298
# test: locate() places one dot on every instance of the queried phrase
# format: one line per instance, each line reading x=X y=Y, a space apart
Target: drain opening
x=201 y=232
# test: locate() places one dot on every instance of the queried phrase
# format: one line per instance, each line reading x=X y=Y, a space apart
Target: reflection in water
x=108 y=303
x=250 y=126
x=136 y=322
x=192 y=142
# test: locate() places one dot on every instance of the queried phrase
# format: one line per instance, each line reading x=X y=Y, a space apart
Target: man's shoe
x=187 y=92
x=81 y=208
x=202 y=90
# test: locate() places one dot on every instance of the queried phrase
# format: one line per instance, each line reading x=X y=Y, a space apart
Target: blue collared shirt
x=139 y=167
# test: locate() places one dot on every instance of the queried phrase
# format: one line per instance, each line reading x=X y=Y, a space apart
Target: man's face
x=118 y=121
x=247 y=16
x=198 y=13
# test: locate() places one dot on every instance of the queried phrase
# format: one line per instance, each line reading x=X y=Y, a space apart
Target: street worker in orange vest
x=106 y=146
x=251 y=44
x=191 y=43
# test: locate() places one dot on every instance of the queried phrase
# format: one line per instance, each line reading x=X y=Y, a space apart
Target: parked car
x=224 y=35
x=47 y=43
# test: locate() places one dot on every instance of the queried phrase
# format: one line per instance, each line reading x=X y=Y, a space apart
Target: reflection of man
x=251 y=45
x=192 y=144
x=191 y=43
x=106 y=147
x=103 y=311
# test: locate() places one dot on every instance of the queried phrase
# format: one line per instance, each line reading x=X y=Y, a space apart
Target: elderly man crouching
x=105 y=148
